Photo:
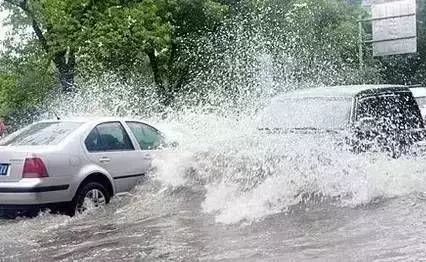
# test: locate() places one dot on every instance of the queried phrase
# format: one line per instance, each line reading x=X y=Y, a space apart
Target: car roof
x=342 y=91
x=92 y=119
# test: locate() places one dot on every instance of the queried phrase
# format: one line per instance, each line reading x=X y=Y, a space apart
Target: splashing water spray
x=245 y=175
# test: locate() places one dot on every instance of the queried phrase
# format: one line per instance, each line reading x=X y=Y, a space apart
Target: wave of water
x=224 y=174
x=241 y=174
x=247 y=175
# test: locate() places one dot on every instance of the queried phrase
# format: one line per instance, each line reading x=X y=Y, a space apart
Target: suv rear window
x=398 y=110
x=43 y=133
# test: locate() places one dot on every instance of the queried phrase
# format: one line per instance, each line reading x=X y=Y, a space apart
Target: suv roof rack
x=415 y=85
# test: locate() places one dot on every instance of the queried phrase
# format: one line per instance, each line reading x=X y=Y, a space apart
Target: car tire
x=88 y=192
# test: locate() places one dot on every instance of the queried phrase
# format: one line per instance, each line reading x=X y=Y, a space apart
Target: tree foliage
x=125 y=37
x=321 y=35
x=26 y=80
x=182 y=44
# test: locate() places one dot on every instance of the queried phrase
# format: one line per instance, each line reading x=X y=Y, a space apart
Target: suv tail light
x=34 y=168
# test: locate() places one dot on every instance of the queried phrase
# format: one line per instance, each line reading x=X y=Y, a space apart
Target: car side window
x=109 y=136
x=148 y=137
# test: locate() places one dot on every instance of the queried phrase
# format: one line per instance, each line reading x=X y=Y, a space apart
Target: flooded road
x=178 y=231
x=228 y=193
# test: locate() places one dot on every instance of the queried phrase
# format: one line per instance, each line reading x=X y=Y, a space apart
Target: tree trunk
x=161 y=90
x=65 y=63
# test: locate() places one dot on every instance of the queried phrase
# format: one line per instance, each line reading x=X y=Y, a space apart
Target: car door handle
x=147 y=157
x=104 y=159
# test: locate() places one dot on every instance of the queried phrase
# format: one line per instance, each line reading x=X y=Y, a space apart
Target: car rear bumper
x=34 y=192
x=17 y=196
x=38 y=189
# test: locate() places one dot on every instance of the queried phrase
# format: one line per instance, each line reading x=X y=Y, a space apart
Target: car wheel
x=89 y=196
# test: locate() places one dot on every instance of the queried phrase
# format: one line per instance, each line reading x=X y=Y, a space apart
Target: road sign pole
x=360 y=42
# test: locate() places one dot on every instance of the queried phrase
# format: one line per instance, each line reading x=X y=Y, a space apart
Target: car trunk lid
x=12 y=160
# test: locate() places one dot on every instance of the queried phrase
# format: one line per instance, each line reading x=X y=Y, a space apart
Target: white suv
x=67 y=165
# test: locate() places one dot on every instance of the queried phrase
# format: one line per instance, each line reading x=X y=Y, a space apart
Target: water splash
x=241 y=174
x=248 y=176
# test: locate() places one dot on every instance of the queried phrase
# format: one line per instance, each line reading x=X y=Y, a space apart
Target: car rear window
x=43 y=133
x=398 y=110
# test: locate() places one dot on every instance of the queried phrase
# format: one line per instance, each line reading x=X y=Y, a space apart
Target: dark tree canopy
x=173 y=42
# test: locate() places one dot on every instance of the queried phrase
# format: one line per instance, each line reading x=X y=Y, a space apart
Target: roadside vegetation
x=188 y=48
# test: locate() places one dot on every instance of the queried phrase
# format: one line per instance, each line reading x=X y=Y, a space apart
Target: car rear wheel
x=89 y=196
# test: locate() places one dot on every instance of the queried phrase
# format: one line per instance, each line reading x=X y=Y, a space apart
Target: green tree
x=63 y=58
x=320 y=35
x=305 y=41
x=125 y=37
x=26 y=80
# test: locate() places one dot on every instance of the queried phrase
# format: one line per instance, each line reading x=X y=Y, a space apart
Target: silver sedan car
x=68 y=165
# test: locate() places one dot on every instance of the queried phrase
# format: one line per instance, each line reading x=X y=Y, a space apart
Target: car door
x=110 y=146
x=148 y=138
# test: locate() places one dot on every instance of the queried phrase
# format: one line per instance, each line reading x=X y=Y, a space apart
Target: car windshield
x=43 y=133
x=300 y=113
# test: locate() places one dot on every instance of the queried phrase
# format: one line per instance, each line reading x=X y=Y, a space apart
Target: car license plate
x=3 y=169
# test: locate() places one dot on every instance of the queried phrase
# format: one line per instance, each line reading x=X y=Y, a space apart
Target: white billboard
x=372 y=2
x=394 y=28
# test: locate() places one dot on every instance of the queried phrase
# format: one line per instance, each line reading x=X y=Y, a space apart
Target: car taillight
x=34 y=168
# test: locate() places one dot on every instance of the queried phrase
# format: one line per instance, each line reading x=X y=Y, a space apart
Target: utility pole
x=360 y=43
